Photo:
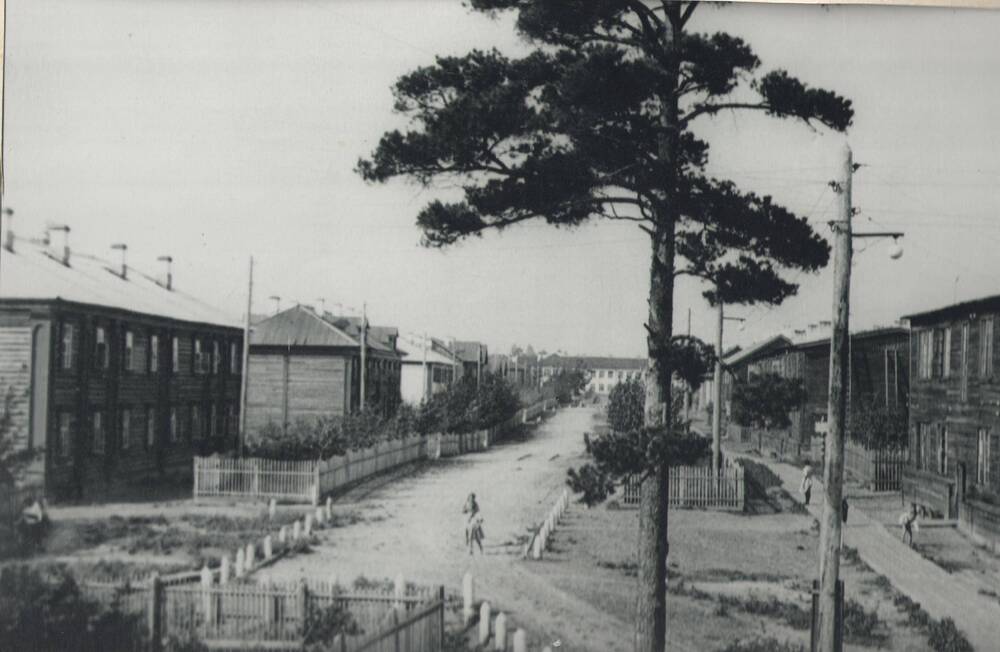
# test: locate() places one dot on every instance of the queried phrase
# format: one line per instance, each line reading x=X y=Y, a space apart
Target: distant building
x=603 y=373
x=116 y=378
x=426 y=373
x=474 y=357
x=305 y=365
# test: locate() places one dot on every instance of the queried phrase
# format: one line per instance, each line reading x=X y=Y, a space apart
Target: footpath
x=941 y=594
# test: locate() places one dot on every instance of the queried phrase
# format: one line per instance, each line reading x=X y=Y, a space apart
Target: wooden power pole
x=833 y=471
x=244 y=377
x=717 y=403
x=364 y=354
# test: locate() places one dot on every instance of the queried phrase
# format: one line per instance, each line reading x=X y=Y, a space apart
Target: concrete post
x=240 y=562
x=251 y=558
x=536 y=551
x=268 y=548
x=296 y=530
x=224 y=570
x=500 y=633
x=283 y=534
x=320 y=516
x=468 y=598
x=272 y=508
x=484 y=623
x=206 y=596
x=309 y=525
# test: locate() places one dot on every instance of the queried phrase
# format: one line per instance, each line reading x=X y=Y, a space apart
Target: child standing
x=807 y=482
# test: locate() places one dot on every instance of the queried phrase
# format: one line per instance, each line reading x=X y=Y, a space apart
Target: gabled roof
x=30 y=273
x=882 y=331
x=379 y=337
x=299 y=326
x=469 y=351
x=756 y=350
x=432 y=357
x=956 y=310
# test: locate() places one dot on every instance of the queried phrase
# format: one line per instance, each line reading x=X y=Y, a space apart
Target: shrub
x=862 y=626
x=763 y=645
x=323 y=623
x=944 y=636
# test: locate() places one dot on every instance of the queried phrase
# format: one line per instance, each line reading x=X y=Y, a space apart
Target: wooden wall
x=284 y=387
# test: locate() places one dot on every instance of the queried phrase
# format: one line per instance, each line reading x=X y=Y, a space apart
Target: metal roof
x=302 y=326
x=963 y=309
x=31 y=273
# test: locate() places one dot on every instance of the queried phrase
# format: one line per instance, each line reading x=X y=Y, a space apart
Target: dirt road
x=413 y=525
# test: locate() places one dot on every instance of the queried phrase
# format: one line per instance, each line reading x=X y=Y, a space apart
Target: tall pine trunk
x=651 y=603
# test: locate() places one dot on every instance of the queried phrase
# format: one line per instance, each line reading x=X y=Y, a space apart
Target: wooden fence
x=980 y=522
x=240 y=616
x=307 y=481
x=699 y=487
x=881 y=469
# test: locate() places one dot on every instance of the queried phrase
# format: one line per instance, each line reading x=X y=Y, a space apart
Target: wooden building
x=955 y=415
x=305 y=365
x=474 y=357
x=427 y=369
x=114 y=377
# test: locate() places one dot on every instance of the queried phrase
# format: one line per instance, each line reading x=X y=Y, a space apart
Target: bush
x=323 y=623
x=763 y=645
x=861 y=626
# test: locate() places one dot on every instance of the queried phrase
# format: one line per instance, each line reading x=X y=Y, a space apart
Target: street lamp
x=833 y=471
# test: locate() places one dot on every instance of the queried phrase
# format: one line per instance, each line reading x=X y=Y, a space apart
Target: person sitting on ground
x=908 y=520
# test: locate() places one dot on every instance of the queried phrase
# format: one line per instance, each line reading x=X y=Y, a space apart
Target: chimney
x=123 y=248
x=65 y=253
x=169 y=281
x=9 y=214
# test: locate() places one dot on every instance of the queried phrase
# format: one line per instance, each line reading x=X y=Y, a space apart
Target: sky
x=213 y=130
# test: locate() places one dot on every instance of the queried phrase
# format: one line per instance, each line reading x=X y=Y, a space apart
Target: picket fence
x=881 y=469
x=699 y=487
x=495 y=633
x=306 y=481
x=273 y=616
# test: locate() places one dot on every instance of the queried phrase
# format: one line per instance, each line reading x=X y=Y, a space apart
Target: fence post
x=272 y=507
x=399 y=590
x=155 y=612
x=500 y=633
x=296 y=530
x=206 y=600
x=268 y=549
x=224 y=569
x=307 y=530
x=315 y=487
x=240 y=562
x=303 y=605
x=250 y=560
x=520 y=641
x=468 y=597
x=484 y=623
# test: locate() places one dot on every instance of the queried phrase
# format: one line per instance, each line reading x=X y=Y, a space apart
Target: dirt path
x=413 y=525
x=940 y=593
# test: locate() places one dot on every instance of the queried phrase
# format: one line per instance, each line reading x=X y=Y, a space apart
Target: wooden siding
x=940 y=403
x=15 y=382
x=75 y=393
x=284 y=388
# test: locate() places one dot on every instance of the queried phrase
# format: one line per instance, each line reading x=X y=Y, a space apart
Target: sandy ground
x=413 y=526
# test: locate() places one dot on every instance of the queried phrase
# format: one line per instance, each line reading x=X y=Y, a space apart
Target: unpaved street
x=413 y=525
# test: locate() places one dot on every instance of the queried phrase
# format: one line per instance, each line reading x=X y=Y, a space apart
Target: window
x=234 y=358
x=98 y=433
x=64 y=445
x=129 y=351
x=964 y=370
x=197 y=427
x=67 y=346
x=214 y=420
x=937 y=370
x=943 y=452
x=174 y=425
x=216 y=357
x=891 y=374
x=986 y=348
x=175 y=355
x=150 y=427
x=921 y=446
x=100 y=348
x=983 y=457
x=946 y=361
x=231 y=419
x=126 y=428
x=154 y=353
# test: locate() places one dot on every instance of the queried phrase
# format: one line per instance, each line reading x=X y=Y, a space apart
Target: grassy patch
x=769 y=644
x=942 y=635
x=862 y=626
x=793 y=615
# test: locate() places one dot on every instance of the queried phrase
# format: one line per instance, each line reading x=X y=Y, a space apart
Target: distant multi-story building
x=114 y=377
x=603 y=373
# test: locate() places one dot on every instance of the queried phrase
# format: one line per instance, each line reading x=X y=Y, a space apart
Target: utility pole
x=717 y=403
x=364 y=346
x=427 y=381
x=687 y=390
x=244 y=377
x=833 y=472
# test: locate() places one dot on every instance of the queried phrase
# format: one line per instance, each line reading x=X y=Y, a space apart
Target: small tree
x=626 y=406
x=766 y=400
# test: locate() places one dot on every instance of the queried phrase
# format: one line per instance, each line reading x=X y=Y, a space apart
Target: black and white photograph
x=500 y=326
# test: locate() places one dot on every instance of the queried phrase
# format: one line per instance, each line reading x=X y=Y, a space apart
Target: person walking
x=908 y=520
x=476 y=532
x=471 y=508
x=807 y=482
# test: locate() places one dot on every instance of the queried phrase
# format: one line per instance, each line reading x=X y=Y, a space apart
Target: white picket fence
x=307 y=481
x=495 y=633
x=699 y=487
x=539 y=541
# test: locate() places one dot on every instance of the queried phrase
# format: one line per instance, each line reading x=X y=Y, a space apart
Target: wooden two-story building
x=955 y=415
x=114 y=378
x=305 y=364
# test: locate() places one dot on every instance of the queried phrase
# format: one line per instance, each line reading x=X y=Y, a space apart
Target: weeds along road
x=412 y=523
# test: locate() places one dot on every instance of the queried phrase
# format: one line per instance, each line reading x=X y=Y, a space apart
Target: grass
x=942 y=635
x=793 y=615
x=769 y=644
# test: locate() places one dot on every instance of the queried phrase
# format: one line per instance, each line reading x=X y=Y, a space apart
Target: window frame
x=102 y=354
x=128 y=352
x=125 y=424
x=67 y=352
x=98 y=444
x=153 y=366
x=64 y=435
x=983 y=454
